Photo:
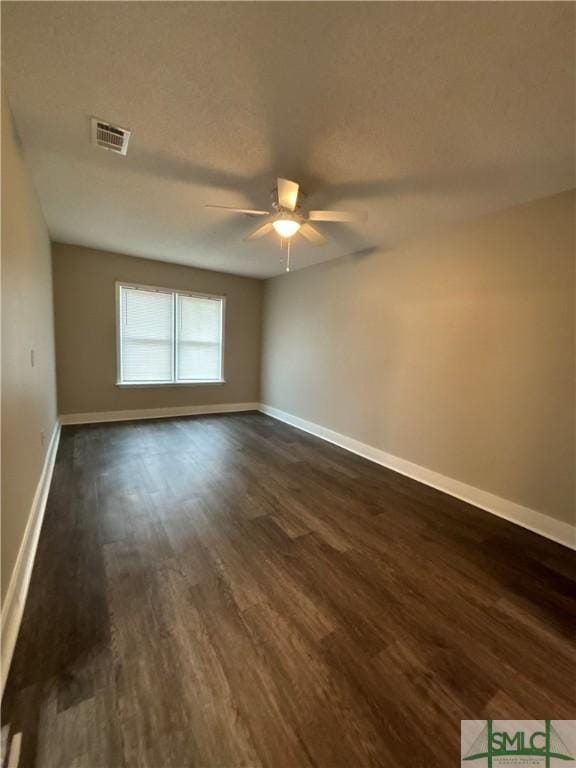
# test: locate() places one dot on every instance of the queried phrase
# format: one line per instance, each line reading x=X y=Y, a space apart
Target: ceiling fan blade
x=332 y=216
x=247 y=211
x=260 y=232
x=312 y=234
x=287 y=194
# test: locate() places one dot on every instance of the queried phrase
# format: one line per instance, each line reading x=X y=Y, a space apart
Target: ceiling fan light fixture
x=286 y=227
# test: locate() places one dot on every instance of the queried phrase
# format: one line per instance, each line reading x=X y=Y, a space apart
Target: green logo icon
x=545 y=744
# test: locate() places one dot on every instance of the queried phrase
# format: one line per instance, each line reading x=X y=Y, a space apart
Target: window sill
x=154 y=384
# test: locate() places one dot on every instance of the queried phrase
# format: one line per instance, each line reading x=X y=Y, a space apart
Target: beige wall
x=84 y=298
x=455 y=353
x=28 y=393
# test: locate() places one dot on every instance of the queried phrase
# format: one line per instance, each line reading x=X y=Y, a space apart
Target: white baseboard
x=155 y=413
x=546 y=526
x=17 y=591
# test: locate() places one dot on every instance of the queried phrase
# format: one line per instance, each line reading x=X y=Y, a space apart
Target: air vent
x=110 y=137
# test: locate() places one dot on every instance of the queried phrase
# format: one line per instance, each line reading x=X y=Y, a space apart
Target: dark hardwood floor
x=227 y=591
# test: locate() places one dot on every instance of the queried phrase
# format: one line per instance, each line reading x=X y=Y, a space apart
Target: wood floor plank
x=334 y=724
x=251 y=677
x=228 y=592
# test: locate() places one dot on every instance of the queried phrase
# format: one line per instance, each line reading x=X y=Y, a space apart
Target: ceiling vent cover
x=110 y=137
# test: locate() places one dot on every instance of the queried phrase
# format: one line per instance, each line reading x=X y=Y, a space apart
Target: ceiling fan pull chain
x=288 y=257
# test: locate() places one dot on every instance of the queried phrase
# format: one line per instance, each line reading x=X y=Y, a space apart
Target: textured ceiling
x=422 y=115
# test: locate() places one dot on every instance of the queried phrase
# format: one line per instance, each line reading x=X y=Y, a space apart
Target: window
x=169 y=337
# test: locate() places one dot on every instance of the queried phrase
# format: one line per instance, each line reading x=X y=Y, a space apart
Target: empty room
x=288 y=384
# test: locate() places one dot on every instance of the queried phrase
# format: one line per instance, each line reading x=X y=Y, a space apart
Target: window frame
x=174 y=292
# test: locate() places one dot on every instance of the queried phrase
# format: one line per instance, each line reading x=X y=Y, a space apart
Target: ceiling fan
x=287 y=217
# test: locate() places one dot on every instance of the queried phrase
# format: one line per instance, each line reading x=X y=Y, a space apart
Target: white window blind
x=168 y=337
x=146 y=333
x=199 y=347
